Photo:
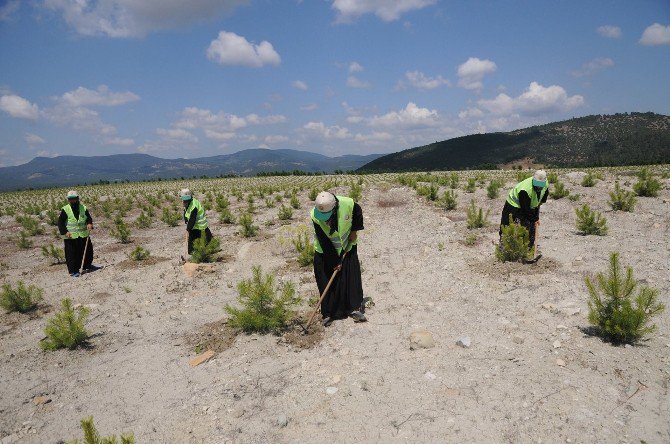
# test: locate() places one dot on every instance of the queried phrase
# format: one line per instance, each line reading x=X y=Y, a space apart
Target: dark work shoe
x=93 y=268
x=326 y=321
x=75 y=275
x=357 y=316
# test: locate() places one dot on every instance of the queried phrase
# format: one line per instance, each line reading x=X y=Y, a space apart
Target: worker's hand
x=68 y=234
x=89 y=227
x=353 y=236
x=537 y=223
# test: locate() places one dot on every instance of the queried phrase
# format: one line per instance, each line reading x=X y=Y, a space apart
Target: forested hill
x=599 y=140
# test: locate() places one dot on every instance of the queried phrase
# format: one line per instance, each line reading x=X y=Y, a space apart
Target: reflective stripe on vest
x=200 y=219
x=76 y=227
x=527 y=186
x=340 y=238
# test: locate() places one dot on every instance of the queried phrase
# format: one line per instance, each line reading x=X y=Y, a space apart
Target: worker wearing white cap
x=337 y=219
x=523 y=203
x=74 y=225
x=194 y=218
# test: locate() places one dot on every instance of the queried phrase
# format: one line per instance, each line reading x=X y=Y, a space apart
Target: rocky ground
x=508 y=359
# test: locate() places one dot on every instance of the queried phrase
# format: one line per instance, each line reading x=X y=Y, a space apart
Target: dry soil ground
x=530 y=374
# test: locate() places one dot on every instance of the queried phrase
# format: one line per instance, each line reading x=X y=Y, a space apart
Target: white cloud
x=536 y=100
x=355 y=82
x=135 y=18
x=176 y=134
x=355 y=67
x=310 y=107
x=656 y=34
x=79 y=118
x=471 y=73
x=275 y=140
x=19 y=107
x=8 y=9
x=34 y=139
x=374 y=137
x=102 y=96
x=299 y=84
x=327 y=132
x=419 y=80
x=219 y=135
x=387 y=10
x=232 y=49
x=594 y=66
x=410 y=117
x=119 y=141
x=609 y=31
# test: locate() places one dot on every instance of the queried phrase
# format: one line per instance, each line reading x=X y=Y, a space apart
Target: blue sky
x=188 y=79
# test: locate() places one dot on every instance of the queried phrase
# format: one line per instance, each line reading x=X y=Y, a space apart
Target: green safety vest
x=340 y=238
x=200 y=219
x=76 y=227
x=527 y=186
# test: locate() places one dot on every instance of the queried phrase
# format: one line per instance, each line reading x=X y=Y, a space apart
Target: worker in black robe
x=523 y=204
x=345 y=297
x=75 y=235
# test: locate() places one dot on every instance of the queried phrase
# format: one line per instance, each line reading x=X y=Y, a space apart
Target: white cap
x=540 y=178
x=185 y=194
x=72 y=194
x=325 y=202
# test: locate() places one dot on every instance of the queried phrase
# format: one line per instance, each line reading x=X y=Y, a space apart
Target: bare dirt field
x=530 y=374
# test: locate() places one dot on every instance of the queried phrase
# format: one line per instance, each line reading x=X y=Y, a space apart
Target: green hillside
x=598 y=140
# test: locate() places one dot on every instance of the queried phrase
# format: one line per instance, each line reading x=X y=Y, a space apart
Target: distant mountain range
x=74 y=170
x=598 y=140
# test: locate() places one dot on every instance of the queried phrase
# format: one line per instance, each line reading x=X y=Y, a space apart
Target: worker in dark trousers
x=194 y=218
x=74 y=225
x=523 y=203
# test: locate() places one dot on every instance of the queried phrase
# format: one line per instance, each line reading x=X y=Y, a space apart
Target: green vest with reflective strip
x=200 y=219
x=527 y=186
x=76 y=227
x=340 y=238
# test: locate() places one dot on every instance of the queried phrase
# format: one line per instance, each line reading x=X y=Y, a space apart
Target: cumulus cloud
x=176 y=134
x=609 y=31
x=119 y=141
x=419 y=80
x=79 y=118
x=594 y=66
x=232 y=49
x=17 y=106
x=471 y=73
x=310 y=107
x=327 y=132
x=34 y=139
x=355 y=82
x=133 y=18
x=102 y=96
x=355 y=67
x=299 y=84
x=410 y=117
x=536 y=100
x=275 y=140
x=387 y=10
x=656 y=34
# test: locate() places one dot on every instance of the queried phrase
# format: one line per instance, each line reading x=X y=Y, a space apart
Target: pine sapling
x=453 y=181
x=590 y=222
x=622 y=200
x=589 y=180
x=514 y=243
x=66 y=328
x=22 y=299
x=203 y=251
x=285 y=213
x=248 y=227
x=646 y=185
x=614 y=309
x=448 y=200
x=143 y=220
x=139 y=254
x=471 y=186
x=52 y=252
x=263 y=310
x=226 y=217
x=305 y=248
x=91 y=435
x=120 y=231
x=24 y=242
x=170 y=217
x=476 y=216
x=559 y=191
x=312 y=194
x=295 y=203
x=493 y=189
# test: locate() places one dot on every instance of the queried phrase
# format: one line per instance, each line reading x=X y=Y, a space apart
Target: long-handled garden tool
x=183 y=258
x=536 y=257
x=323 y=295
x=83 y=259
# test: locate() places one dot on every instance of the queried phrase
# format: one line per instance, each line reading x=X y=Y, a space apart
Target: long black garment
x=526 y=216
x=74 y=248
x=194 y=234
x=346 y=292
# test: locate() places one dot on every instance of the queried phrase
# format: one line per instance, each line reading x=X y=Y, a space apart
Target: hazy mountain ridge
x=597 y=140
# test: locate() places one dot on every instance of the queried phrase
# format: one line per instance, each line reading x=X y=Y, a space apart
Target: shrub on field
x=22 y=299
x=91 y=435
x=51 y=252
x=285 y=213
x=30 y=225
x=471 y=186
x=590 y=222
x=247 y=224
x=493 y=189
x=121 y=232
x=263 y=309
x=622 y=200
x=614 y=309
x=52 y=216
x=574 y=197
x=143 y=220
x=453 y=181
x=552 y=177
x=269 y=203
x=226 y=217
x=305 y=248
x=221 y=203
x=203 y=251
x=476 y=216
x=24 y=242
x=139 y=254
x=448 y=200
x=171 y=217
x=646 y=185
x=514 y=243
x=295 y=203
x=66 y=328
x=559 y=191
x=523 y=175
x=312 y=194
x=589 y=180
x=470 y=239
